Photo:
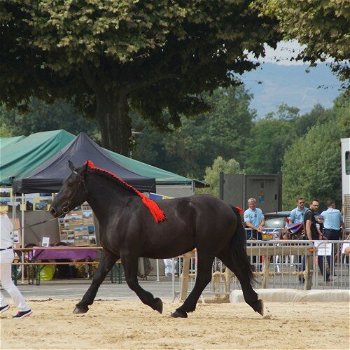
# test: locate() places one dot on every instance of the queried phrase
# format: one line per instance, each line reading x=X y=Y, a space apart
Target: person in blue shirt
x=297 y=214
x=332 y=227
x=254 y=219
x=332 y=221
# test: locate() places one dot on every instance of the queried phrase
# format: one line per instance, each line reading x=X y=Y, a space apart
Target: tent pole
x=157 y=261
x=22 y=235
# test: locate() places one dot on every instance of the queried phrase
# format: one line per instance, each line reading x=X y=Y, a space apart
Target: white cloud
x=283 y=54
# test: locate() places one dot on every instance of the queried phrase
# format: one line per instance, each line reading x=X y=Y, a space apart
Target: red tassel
x=90 y=164
x=240 y=210
x=153 y=207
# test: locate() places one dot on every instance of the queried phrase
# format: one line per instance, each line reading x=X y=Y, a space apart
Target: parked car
x=276 y=219
x=274 y=223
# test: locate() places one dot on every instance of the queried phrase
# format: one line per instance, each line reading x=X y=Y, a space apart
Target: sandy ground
x=132 y=325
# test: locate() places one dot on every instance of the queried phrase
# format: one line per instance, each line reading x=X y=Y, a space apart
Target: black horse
x=133 y=226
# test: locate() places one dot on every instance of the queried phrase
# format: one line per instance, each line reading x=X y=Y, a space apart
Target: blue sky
x=279 y=80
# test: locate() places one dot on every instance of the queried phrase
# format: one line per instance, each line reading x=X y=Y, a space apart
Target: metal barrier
x=297 y=264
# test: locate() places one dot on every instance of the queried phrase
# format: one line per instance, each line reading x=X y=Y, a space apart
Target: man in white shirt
x=6 y=258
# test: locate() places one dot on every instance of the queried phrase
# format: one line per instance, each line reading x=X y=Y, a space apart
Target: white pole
x=157 y=262
x=22 y=235
x=173 y=279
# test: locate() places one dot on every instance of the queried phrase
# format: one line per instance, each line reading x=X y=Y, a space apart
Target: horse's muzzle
x=53 y=212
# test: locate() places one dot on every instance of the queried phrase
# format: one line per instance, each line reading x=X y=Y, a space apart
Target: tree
x=194 y=146
x=305 y=122
x=111 y=56
x=212 y=174
x=311 y=167
x=322 y=26
x=269 y=139
x=41 y=116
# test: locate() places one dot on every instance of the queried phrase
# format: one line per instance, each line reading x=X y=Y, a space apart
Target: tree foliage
x=212 y=174
x=110 y=55
x=322 y=26
x=41 y=116
x=188 y=150
x=311 y=167
x=269 y=139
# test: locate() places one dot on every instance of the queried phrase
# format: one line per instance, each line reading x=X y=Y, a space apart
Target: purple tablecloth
x=65 y=253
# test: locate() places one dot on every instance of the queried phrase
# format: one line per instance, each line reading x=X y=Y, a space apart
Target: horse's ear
x=71 y=166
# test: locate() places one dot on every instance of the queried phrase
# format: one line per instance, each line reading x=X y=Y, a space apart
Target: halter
x=67 y=204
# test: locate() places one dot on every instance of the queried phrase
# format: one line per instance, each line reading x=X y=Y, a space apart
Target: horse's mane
x=153 y=207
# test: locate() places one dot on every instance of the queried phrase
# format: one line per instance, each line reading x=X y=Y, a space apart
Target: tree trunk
x=114 y=121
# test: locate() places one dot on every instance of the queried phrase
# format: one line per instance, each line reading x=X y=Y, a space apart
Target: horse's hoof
x=179 y=314
x=158 y=305
x=80 y=310
x=258 y=306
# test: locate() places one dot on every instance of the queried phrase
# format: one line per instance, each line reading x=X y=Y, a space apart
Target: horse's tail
x=239 y=243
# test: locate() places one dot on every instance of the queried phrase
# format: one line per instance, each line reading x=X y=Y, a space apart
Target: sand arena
x=128 y=324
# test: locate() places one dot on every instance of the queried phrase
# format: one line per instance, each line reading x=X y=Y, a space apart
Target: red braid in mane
x=153 y=207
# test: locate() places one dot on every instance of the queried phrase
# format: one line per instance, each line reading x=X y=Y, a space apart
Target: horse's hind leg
x=236 y=266
x=204 y=267
x=130 y=265
x=107 y=261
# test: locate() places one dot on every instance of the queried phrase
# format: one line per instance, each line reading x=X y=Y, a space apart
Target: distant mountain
x=296 y=85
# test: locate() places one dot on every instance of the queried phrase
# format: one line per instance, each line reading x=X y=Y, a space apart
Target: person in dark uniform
x=312 y=234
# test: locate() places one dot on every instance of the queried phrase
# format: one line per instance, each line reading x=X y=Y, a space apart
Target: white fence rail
x=296 y=264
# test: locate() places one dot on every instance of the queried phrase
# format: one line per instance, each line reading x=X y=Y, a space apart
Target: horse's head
x=72 y=193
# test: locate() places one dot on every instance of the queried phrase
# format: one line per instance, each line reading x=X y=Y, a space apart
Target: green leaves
x=158 y=54
x=311 y=167
x=212 y=174
x=323 y=26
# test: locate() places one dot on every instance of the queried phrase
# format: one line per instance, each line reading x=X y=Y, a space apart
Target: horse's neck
x=106 y=198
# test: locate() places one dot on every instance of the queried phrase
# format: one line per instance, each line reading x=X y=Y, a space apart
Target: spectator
x=6 y=258
x=168 y=267
x=254 y=219
x=332 y=221
x=332 y=227
x=312 y=233
x=297 y=214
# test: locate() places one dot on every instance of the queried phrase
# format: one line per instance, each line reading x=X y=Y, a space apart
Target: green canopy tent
x=6 y=141
x=20 y=158
x=161 y=176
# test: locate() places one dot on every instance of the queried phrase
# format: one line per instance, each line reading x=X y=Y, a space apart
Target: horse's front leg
x=130 y=265
x=107 y=261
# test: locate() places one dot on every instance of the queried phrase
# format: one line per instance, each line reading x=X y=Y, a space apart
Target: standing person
x=312 y=233
x=254 y=219
x=297 y=214
x=332 y=227
x=297 y=217
x=168 y=267
x=6 y=258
